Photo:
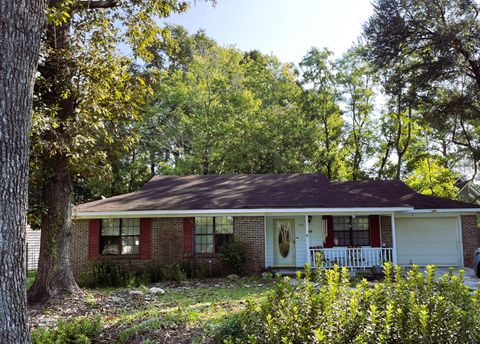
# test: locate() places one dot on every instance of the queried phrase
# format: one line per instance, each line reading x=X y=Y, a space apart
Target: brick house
x=283 y=220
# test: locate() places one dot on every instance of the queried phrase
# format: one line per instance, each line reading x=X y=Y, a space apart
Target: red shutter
x=374 y=221
x=145 y=238
x=93 y=238
x=329 y=239
x=188 y=235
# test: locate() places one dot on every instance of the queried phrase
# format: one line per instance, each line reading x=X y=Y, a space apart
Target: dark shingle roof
x=396 y=190
x=249 y=191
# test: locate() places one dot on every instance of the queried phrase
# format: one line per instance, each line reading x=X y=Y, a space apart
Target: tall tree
x=321 y=103
x=79 y=74
x=225 y=111
x=21 y=24
x=434 y=45
x=356 y=80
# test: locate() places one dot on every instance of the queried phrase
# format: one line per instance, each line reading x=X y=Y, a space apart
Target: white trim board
x=237 y=212
x=453 y=210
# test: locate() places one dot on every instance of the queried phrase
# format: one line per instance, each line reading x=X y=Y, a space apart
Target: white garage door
x=424 y=241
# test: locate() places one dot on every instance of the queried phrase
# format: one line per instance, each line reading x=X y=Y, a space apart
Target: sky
x=284 y=28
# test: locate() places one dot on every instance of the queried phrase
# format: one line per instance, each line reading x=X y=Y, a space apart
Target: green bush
x=173 y=272
x=232 y=255
x=83 y=331
x=407 y=307
x=107 y=274
x=153 y=272
x=196 y=269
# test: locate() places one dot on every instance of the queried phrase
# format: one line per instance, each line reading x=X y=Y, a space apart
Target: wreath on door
x=284 y=239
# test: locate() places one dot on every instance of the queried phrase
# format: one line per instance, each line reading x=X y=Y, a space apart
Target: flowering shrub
x=407 y=307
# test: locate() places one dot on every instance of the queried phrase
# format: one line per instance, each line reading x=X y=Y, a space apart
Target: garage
x=424 y=241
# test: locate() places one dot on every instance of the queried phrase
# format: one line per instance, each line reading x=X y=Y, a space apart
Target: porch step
x=288 y=271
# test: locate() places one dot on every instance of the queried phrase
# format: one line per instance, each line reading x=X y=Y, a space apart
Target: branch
x=90 y=5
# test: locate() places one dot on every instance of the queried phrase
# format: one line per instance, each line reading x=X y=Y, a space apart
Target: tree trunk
x=54 y=274
x=21 y=23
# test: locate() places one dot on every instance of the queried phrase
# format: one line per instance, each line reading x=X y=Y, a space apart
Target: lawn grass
x=201 y=311
x=30 y=279
x=194 y=311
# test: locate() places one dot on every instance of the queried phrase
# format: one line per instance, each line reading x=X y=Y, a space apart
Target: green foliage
x=407 y=307
x=225 y=111
x=427 y=53
x=356 y=81
x=320 y=102
x=232 y=255
x=107 y=274
x=82 y=331
x=431 y=177
x=198 y=269
x=173 y=272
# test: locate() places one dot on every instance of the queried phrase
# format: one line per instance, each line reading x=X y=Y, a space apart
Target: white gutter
x=455 y=210
x=238 y=212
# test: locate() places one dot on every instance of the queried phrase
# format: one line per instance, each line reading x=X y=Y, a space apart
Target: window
x=351 y=231
x=212 y=232
x=120 y=237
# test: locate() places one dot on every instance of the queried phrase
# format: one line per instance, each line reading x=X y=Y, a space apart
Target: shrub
x=106 y=274
x=173 y=272
x=232 y=255
x=196 y=269
x=82 y=331
x=411 y=307
x=153 y=272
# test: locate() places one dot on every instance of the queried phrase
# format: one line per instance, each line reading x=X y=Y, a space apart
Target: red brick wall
x=79 y=246
x=165 y=245
x=250 y=230
x=167 y=241
x=470 y=238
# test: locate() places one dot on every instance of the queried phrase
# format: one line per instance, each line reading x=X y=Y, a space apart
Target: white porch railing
x=356 y=258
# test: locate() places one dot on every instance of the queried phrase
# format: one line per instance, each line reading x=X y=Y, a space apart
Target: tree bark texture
x=54 y=275
x=21 y=23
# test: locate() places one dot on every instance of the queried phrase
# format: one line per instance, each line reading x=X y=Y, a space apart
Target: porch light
x=309 y=219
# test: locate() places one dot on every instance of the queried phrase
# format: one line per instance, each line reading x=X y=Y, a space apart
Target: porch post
x=394 y=239
x=307 y=240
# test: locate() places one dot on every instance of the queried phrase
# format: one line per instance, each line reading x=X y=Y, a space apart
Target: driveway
x=470 y=279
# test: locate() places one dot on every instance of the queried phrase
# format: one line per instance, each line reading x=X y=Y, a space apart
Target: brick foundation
x=166 y=245
x=470 y=238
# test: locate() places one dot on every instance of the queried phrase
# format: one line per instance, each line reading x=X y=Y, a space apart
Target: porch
x=355 y=241
x=354 y=258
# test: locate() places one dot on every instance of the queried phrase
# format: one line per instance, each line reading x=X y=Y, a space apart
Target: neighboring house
x=283 y=220
x=33 y=248
x=467 y=191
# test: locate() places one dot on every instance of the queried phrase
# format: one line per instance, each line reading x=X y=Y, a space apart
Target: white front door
x=284 y=242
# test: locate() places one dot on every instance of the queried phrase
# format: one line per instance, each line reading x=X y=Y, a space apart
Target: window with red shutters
x=351 y=230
